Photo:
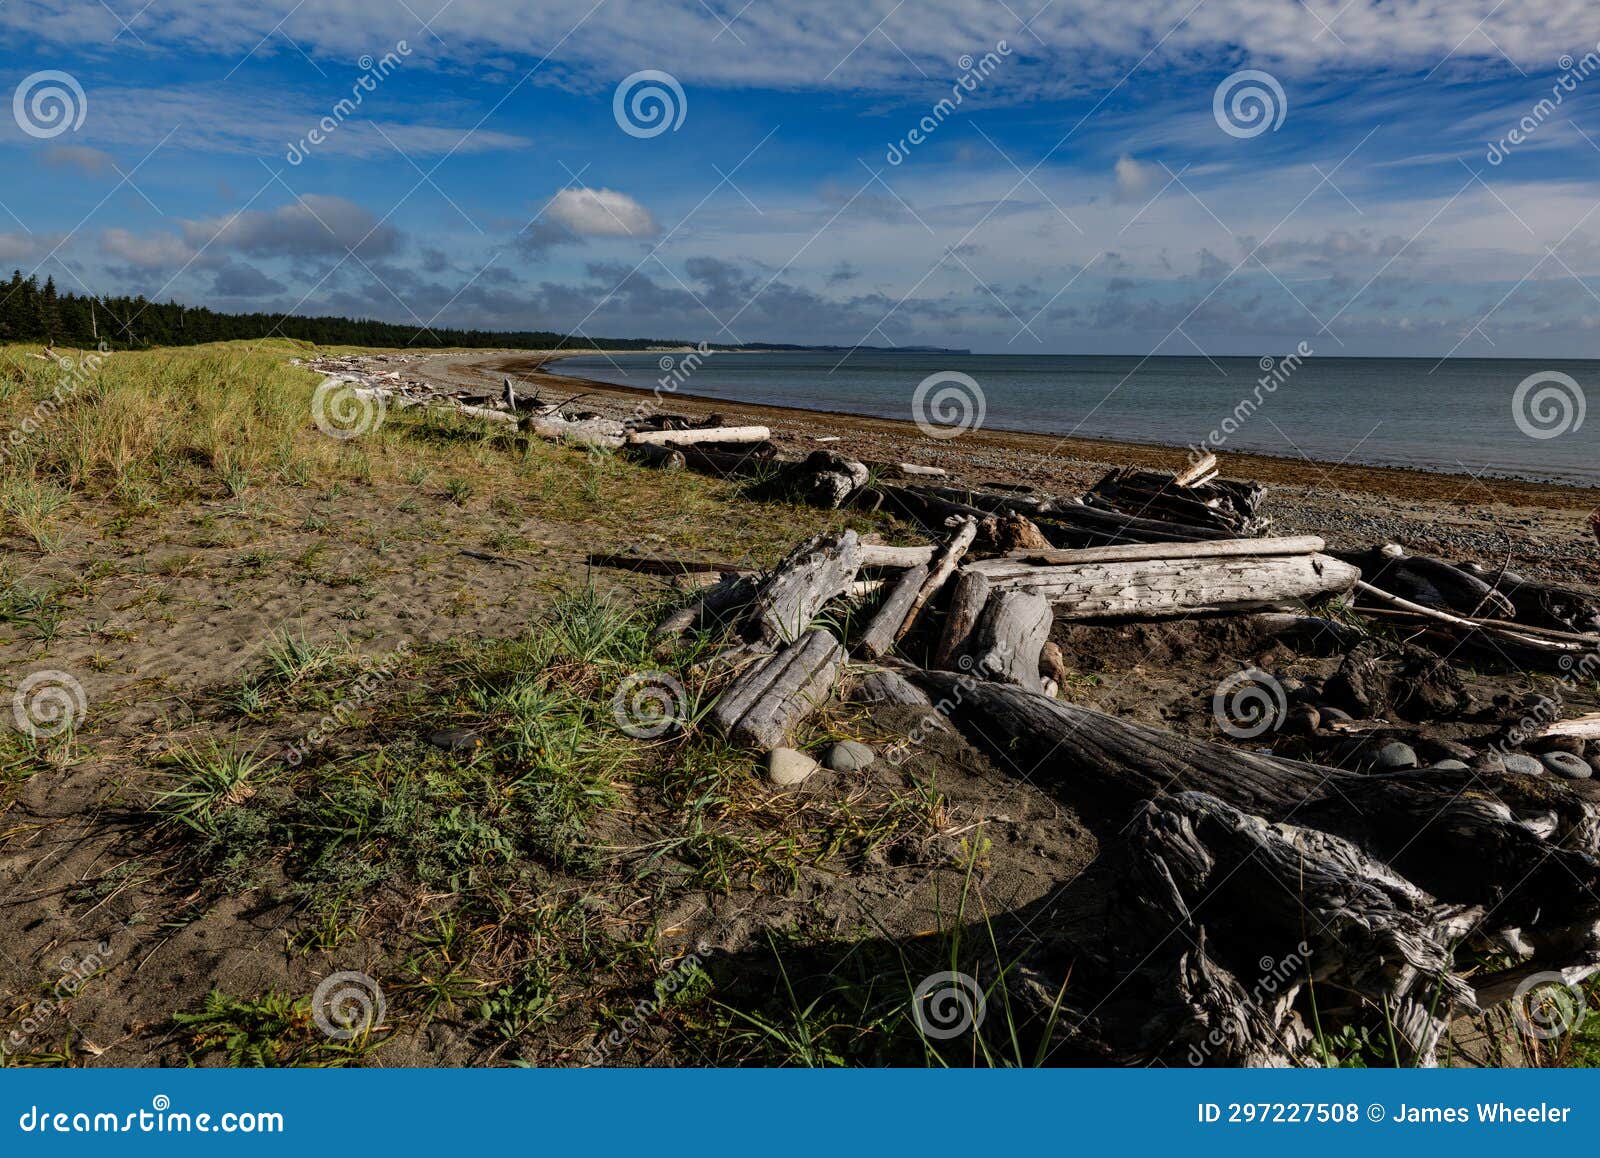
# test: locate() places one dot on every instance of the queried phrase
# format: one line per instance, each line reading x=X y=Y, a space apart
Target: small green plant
x=206 y=782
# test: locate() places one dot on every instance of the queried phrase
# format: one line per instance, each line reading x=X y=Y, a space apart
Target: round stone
x=849 y=756
x=1450 y=765
x=787 y=767
x=1396 y=757
x=1567 y=766
x=1522 y=764
x=457 y=740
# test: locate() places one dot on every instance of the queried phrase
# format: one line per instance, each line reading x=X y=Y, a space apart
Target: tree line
x=31 y=312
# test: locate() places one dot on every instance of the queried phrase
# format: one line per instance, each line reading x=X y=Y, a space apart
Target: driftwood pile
x=1395 y=894
x=1410 y=896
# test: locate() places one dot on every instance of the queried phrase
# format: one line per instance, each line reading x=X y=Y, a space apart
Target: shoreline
x=1388 y=480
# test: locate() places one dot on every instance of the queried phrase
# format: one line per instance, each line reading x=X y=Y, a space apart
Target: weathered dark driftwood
x=1524 y=844
x=967 y=601
x=1431 y=583
x=1009 y=635
x=1543 y=604
x=1221 y=503
x=1230 y=918
x=732 y=592
x=768 y=699
x=878 y=639
x=819 y=569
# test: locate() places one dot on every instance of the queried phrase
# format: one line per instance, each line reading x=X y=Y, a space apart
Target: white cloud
x=830 y=43
x=1134 y=178
x=600 y=213
x=156 y=251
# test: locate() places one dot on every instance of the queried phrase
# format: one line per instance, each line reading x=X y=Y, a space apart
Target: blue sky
x=1085 y=196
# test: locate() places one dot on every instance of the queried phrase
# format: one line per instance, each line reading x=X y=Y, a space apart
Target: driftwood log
x=766 y=701
x=1155 y=588
x=818 y=570
x=714 y=434
x=879 y=637
x=1009 y=636
x=967 y=601
x=1431 y=583
x=949 y=559
x=1385 y=875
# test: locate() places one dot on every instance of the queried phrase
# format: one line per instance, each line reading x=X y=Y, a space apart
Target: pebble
x=1522 y=764
x=1567 y=766
x=1333 y=715
x=457 y=740
x=787 y=767
x=1397 y=756
x=849 y=756
x=1450 y=765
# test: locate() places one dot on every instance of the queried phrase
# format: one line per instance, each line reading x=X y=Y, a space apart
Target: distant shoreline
x=1379 y=478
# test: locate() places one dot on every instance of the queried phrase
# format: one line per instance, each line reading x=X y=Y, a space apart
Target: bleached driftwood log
x=1157 y=588
x=907 y=470
x=1580 y=728
x=1139 y=552
x=712 y=434
x=763 y=704
x=967 y=601
x=819 y=569
x=948 y=560
x=880 y=555
x=605 y=432
x=878 y=639
x=1009 y=636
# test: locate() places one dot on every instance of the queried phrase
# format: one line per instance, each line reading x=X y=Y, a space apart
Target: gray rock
x=458 y=740
x=1567 y=766
x=787 y=767
x=1594 y=762
x=1333 y=715
x=1396 y=756
x=1450 y=765
x=1522 y=764
x=849 y=756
